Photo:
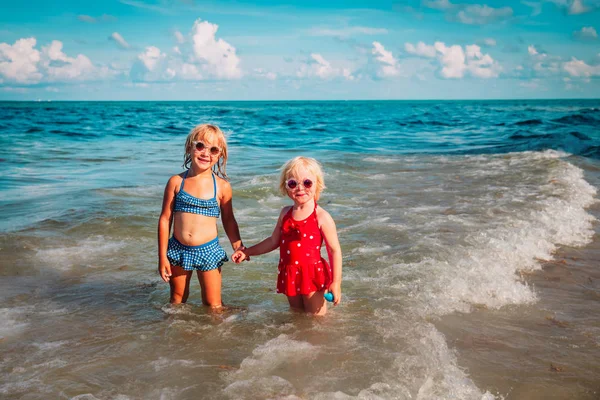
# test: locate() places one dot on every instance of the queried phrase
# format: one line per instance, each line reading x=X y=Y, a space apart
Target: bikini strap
x=315 y=212
x=183 y=180
x=214 y=186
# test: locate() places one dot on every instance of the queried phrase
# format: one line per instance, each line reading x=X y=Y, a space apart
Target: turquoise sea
x=469 y=230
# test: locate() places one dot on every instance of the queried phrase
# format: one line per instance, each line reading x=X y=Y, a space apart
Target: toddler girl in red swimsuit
x=304 y=276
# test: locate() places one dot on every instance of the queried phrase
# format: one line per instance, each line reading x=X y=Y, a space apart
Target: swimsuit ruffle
x=302 y=278
x=202 y=258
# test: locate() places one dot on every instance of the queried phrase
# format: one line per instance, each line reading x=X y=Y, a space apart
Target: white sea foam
x=138 y=191
x=483 y=269
x=89 y=252
x=381 y=160
x=267 y=358
x=55 y=363
x=165 y=363
x=258 y=375
x=271 y=387
x=271 y=199
x=24 y=386
x=12 y=321
x=371 y=249
x=378 y=177
x=370 y=222
x=46 y=346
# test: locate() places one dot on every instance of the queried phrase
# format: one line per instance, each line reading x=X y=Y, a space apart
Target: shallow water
x=469 y=232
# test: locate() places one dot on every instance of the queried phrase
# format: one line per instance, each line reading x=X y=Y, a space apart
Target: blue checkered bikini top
x=185 y=202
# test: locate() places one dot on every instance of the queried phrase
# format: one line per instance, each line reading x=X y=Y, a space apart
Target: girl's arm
x=334 y=253
x=230 y=224
x=164 y=227
x=266 y=246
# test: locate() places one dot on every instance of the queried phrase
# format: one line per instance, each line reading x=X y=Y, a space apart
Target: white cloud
x=348 y=31
x=119 y=40
x=202 y=57
x=489 y=42
x=421 y=49
x=586 y=33
x=477 y=14
x=577 y=7
x=580 y=69
x=152 y=58
x=324 y=69
x=61 y=67
x=318 y=66
x=532 y=50
x=536 y=7
x=154 y=65
x=471 y=14
x=389 y=65
x=217 y=56
x=87 y=18
x=22 y=63
x=452 y=59
x=481 y=65
x=456 y=62
x=437 y=4
x=18 y=63
x=188 y=72
x=540 y=64
x=179 y=37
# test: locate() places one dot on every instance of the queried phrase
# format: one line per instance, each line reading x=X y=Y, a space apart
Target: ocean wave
x=529 y=122
x=484 y=268
x=576 y=119
x=90 y=252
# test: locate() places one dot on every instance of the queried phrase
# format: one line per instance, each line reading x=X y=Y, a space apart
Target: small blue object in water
x=328 y=296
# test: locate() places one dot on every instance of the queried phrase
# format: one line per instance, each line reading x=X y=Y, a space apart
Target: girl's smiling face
x=301 y=194
x=204 y=158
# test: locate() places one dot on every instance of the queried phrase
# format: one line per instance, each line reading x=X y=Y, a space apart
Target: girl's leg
x=314 y=303
x=296 y=303
x=180 y=284
x=210 y=282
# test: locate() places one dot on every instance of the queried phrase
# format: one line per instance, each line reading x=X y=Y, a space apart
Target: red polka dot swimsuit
x=302 y=270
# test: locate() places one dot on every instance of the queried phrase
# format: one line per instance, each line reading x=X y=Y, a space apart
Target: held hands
x=164 y=270
x=240 y=255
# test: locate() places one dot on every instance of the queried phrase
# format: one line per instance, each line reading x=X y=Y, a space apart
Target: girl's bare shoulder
x=175 y=179
x=323 y=216
x=221 y=182
x=223 y=185
x=321 y=212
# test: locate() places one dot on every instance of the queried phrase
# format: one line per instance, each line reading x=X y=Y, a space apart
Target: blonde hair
x=291 y=167
x=207 y=132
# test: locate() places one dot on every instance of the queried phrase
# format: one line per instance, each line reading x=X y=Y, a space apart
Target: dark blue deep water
x=399 y=127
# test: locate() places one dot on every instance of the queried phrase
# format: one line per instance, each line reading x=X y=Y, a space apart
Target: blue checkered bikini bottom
x=206 y=257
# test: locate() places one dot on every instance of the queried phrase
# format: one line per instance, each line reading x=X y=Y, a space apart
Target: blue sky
x=268 y=50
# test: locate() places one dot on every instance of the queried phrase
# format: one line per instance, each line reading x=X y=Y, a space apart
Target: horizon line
x=295 y=100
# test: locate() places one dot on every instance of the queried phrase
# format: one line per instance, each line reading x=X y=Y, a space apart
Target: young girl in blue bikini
x=192 y=202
